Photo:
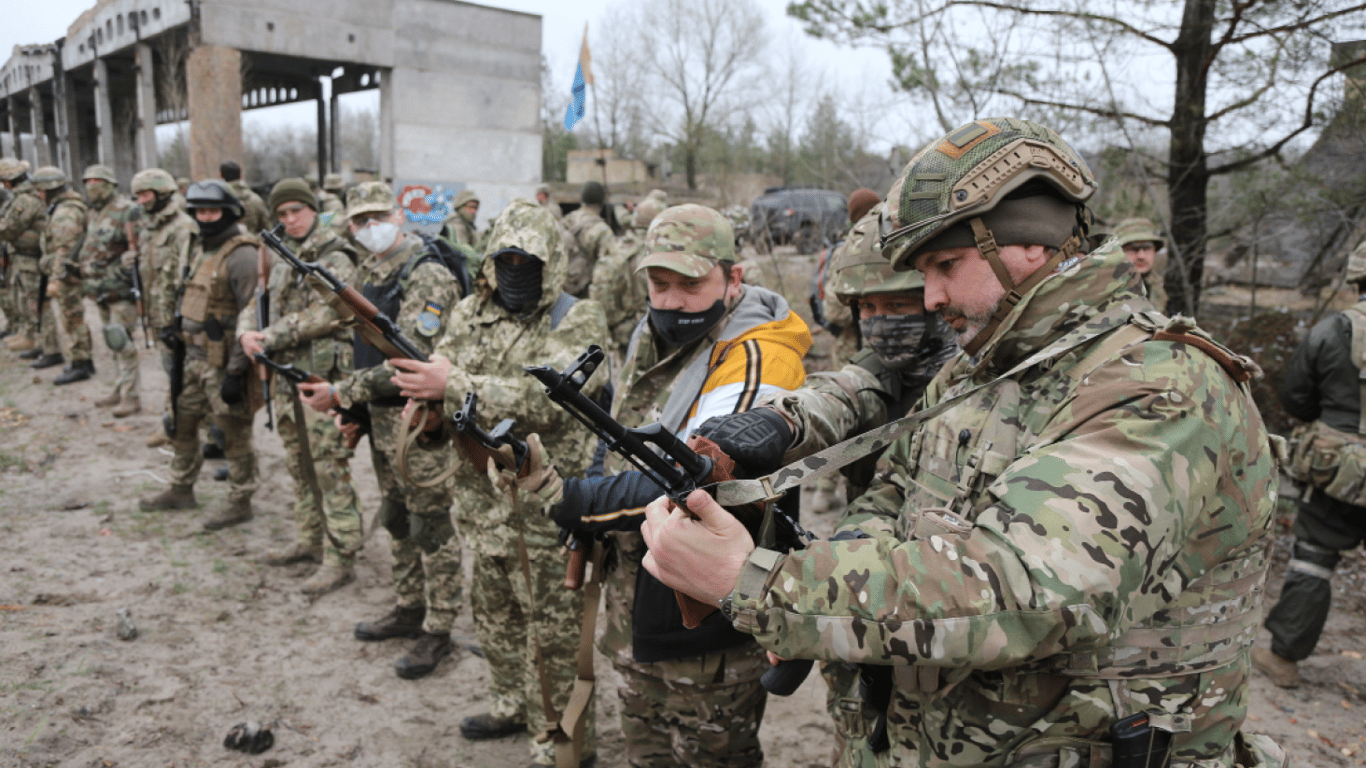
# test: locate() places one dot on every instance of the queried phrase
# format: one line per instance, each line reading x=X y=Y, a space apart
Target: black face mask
x=678 y=328
x=212 y=229
x=519 y=285
x=160 y=201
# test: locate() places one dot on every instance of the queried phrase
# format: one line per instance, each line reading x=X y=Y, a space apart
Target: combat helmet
x=1356 y=264
x=860 y=270
x=101 y=172
x=49 y=177
x=688 y=239
x=154 y=180
x=1138 y=230
x=213 y=193
x=993 y=182
x=12 y=168
x=646 y=211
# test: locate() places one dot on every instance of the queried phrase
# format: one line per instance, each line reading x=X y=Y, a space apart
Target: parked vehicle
x=809 y=218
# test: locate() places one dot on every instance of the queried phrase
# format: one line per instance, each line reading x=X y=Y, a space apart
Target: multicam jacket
x=22 y=221
x=66 y=219
x=591 y=240
x=1083 y=541
x=106 y=240
x=166 y=239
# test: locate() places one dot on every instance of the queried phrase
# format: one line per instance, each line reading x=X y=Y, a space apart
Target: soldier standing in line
x=307 y=333
x=591 y=238
x=411 y=285
x=62 y=238
x=21 y=225
x=110 y=284
x=216 y=283
x=619 y=286
x=6 y=272
x=1144 y=248
x=521 y=320
x=255 y=217
x=1322 y=387
x=1078 y=543
x=167 y=237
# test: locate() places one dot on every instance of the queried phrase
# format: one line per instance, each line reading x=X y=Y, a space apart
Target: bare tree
x=618 y=112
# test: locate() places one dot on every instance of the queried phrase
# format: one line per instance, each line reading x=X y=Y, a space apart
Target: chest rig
x=207 y=293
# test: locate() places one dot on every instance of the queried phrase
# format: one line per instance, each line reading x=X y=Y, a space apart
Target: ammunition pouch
x=116 y=337
x=215 y=349
x=393 y=515
x=1330 y=460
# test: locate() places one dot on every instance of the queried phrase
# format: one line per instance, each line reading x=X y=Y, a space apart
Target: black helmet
x=213 y=193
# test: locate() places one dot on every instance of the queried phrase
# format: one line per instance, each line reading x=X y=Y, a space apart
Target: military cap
x=1138 y=230
x=688 y=239
x=12 y=168
x=153 y=180
x=860 y=269
x=370 y=197
x=646 y=211
x=860 y=202
x=333 y=182
x=213 y=193
x=291 y=190
x=593 y=193
x=465 y=196
x=49 y=177
x=1356 y=264
x=101 y=172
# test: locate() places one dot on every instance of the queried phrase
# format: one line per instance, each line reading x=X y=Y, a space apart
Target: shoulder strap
x=563 y=303
x=1359 y=360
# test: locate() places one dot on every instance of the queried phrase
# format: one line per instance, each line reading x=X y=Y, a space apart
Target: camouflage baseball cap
x=860 y=270
x=333 y=182
x=465 y=196
x=688 y=239
x=153 y=180
x=646 y=211
x=1138 y=230
x=49 y=177
x=369 y=197
x=12 y=168
x=101 y=172
x=1356 y=264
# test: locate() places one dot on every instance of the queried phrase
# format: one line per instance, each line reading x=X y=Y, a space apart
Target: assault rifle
x=356 y=414
x=377 y=328
x=170 y=336
x=139 y=292
x=677 y=469
x=507 y=452
x=262 y=321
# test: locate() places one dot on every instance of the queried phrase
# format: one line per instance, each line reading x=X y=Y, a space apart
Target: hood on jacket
x=525 y=224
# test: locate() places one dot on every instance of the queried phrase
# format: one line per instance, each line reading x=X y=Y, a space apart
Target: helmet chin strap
x=986 y=244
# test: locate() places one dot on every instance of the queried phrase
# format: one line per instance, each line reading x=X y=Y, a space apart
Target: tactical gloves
x=755 y=439
x=234 y=389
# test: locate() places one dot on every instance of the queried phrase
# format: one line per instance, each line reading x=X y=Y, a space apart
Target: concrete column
x=64 y=126
x=386 y=126
x=322 y=133
x=104 y=116
x=13 y=112
x=145 y=128
x=41 y=153
x=333 y=131
x=213 y=82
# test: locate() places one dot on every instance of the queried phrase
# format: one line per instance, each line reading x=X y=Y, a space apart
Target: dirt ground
x=223 y=639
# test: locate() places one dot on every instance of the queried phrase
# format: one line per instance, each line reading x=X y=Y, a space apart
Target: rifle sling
x=310 y=472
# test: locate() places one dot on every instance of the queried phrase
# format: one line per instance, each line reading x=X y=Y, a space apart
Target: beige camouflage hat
x=369 y=197
x=688 y=239
x=12 y=168
x=465 y=196
x=1356 y=264
x=1138 y=230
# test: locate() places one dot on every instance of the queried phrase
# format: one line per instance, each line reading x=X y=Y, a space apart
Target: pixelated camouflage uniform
x=1081 y=542
x=489 y=345
x=66 y=223
x=219 y=282
x=257 y=216
x=110 y=284
x=427 y=558
x=21 y=225
x=622 y=292
x=306 y=332
x=591 y=240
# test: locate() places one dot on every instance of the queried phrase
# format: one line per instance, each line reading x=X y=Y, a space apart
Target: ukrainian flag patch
x=429 y=322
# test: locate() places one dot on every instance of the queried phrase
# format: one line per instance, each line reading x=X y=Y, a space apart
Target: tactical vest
x=1331 y=460
x=209 y=301
x=388 y=298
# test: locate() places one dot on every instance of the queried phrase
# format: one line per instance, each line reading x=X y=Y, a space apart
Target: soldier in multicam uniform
x=591 y=238
x=1322 y=387
x=307 y=333
x=520 y=320
x=617 y=283
x=410 y=285
x=459 y=227
x=1080 y=540
x=21 y=226
x=216 y=283
x=710 y=345
x=830 y=311
x=256 y=217
x=61 y=243
x=1145 y=250
x=110 y=284
x=167 y=236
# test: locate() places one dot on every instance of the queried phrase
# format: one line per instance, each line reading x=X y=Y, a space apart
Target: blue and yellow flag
x=583 y=77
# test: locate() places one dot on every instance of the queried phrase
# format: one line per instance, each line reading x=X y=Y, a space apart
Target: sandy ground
x=223 y=639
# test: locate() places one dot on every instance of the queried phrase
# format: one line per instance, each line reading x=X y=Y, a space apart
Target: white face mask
x=378 y=236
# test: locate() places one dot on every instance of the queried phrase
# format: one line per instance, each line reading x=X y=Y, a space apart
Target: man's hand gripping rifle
x=357 y=415
x=679 y=470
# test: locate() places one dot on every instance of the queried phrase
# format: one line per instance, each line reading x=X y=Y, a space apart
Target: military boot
x=175 y=497
x=423 y=657
x=230 y=514
x=326 y=579
x=79 y=370
x=32 y=354
x=294 y=553
x=398 y=622
x=1281 y=672
x=131 y=405
x=109 y=401
x=488 y=726
x=47 y=361
x=158 y=439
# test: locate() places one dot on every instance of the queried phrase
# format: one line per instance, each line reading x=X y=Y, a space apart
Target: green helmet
x=688 y=239
x=970 y=172
x=1138 y=230
x=101 y=172
x=1356 y=264
x=12 y=168
x=859 y=270
x=49 y=177
x=153 y=180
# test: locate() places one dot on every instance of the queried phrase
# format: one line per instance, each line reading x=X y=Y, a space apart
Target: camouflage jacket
x=303 y=329
x=165 y=241
x=489 y=347
x=255 y=216
x=62 y=237
x=106 y=240
x=616 y=286
x=1080 y=542
x=22 y=222
x=429 y=295
x=590 y=240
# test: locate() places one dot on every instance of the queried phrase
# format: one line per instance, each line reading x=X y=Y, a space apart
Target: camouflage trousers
x=7 y=297
x=509 y=632
x=70 y=306
x=670 y=718
x=127 y=380
x=854 y=719
x=198 y=401
x=427 y=552
x=23 y=288
x=334 y=521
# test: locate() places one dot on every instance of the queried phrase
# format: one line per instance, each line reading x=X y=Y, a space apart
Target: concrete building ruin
x=459 y=86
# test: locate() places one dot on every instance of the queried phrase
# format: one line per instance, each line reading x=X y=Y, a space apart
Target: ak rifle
x=356 y=414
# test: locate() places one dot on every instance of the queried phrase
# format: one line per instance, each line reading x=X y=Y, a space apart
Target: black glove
x=234 y=389
x=169 y=336
x=756 y=439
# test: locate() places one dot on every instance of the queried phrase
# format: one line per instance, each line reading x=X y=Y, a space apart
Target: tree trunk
x=1188 y=174
x=690 y=164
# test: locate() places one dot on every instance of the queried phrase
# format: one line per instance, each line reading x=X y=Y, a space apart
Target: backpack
x=454 y=259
